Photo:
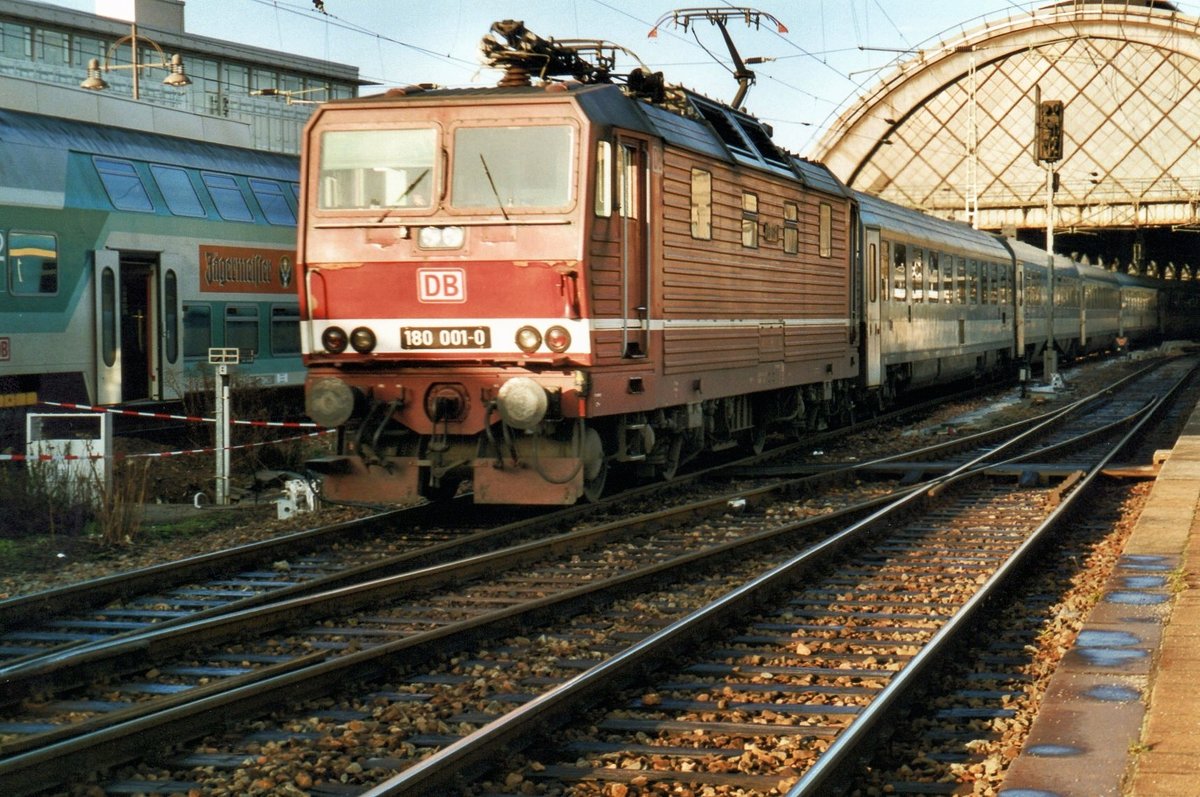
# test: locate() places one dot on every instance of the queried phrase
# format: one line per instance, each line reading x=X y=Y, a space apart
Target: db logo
x=441 y=285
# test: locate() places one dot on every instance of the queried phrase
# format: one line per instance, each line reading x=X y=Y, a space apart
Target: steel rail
x=478 y=752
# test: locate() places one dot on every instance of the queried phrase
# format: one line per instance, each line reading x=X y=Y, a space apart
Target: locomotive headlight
x=528 y=339
x=558 y=339
x=363 y=340
x=334 y=340
x=441 y=237
x=522 y=402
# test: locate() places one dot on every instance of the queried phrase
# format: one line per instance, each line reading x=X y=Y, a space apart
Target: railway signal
x=1050 y=130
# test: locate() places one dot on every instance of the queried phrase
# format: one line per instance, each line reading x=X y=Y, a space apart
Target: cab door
x=633 y=203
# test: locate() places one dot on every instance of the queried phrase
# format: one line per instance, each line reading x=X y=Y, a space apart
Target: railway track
x=46 y=626
x=786 y=700
x=354 y=649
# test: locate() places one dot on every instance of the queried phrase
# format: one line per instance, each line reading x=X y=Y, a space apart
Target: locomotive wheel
x=595 y=466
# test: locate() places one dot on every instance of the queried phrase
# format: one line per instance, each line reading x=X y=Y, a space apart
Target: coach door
x=871 y=279
x=127 y=342
x=632 y=194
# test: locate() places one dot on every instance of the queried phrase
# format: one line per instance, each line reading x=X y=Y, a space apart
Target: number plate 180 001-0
x=445 y=337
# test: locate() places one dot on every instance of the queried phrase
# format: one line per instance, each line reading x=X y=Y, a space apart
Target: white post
x=222 y=359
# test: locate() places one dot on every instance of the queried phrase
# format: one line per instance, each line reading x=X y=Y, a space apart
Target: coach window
x=197 y=330
x=917 y=285
x=872 y=273
x=973 y=282
x=285 y=329
x=825 y=239
x=171 y=315
x=961 y=280
x=791 y=228
x=108 y=316
x=750 y=220
x=227 y=196
x=603 y=204
x=948 y=279
x=32 y=264
x=123 y=184
x=935 y=277
x=899 y=273
x=701 y=204
x=274 y=206
x=241 y=328
x=176 y=187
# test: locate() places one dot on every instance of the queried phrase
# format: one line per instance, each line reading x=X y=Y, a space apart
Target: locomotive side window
x=791 y=228
x=825 y=238
x=701 y=204
x=899 y=273
x=227 y=196
x=123 y=184
x=364 y=169
x=197 y=330
x=493 y=168
x=603 y=206
x=32 y=264
x=628 y=183
x=750 y=220
x=177 y=189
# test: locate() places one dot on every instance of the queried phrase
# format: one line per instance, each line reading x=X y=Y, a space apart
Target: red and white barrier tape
x=160 y=454
x=162 y=416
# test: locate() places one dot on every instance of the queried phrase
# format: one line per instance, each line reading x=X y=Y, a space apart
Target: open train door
x=107 y=338
x=168 y=374
x=873 y=367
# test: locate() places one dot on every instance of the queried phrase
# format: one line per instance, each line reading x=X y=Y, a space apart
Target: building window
x=171 y=315
x=750 y=220
x=791 y=228
x=826 y=230
x=701 y=204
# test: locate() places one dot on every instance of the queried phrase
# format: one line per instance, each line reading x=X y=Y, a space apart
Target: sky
x=832 y=51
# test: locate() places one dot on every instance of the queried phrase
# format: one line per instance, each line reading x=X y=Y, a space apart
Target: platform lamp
x=176 y=78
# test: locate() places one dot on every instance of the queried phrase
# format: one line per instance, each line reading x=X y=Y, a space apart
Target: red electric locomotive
x=526 y=284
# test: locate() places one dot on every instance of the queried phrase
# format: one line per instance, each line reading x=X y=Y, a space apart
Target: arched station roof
x=951 y=131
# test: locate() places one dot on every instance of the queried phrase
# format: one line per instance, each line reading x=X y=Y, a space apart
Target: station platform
x=1121 y=716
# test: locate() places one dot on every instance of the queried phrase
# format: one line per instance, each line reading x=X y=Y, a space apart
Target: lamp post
x=176 y=77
